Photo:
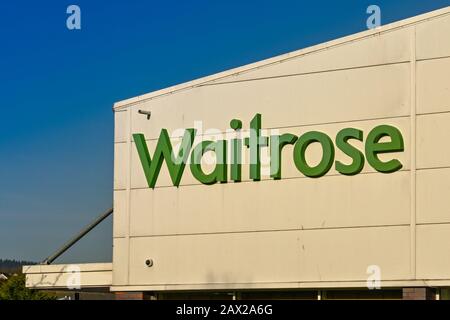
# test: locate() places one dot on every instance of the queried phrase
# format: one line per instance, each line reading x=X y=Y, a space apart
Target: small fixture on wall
x=147 y=113
x=149 y=262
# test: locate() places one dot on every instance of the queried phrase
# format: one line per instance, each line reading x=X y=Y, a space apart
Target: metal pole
x=75 y=239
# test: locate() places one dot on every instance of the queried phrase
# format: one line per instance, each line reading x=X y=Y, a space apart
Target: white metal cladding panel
x=313 y=154
x=378 y=49
x=60 y=276
x=355 y=94
x=433 y=200
x=433 y=136
x=432 y=38
x=61 y=268
x=308 y=255
x=120 y=165
x=120 y=261
x=433 y=156
x=120 y=126
x=63 y=280
x=433 y=85
x=120 y=214
x=329 y=202
x=433 y=159
x=433 y=257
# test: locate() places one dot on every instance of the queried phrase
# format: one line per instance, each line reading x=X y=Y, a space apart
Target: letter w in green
x=163 y=151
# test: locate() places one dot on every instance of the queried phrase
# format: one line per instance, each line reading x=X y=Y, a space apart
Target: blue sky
x=58 y=87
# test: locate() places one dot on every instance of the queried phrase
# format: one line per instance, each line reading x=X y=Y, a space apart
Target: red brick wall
x=419 y=294
x=132 y=296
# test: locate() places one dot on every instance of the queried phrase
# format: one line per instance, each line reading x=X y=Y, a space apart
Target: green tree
x=14 y=289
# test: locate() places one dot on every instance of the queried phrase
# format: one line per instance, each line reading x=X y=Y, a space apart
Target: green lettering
x=255 y=142
x=220 y=171
x=236 y=152
x=276 y=146
x=374 y=148
x=327 y=155
x=357 y=156
x=163 y=152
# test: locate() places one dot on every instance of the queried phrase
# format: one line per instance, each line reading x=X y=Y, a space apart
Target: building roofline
x=283 y=57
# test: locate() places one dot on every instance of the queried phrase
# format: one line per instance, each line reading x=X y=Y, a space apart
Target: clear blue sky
x=58 y=87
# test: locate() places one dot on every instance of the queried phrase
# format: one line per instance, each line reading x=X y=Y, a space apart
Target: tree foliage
x=14 y=289
x=13 y=266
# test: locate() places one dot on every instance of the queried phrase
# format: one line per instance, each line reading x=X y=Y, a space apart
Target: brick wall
x=419 y=294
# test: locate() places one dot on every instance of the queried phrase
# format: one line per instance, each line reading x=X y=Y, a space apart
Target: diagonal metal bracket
x=76 y=238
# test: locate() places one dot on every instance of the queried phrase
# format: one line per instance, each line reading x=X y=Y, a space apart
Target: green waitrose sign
x=176 y=163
